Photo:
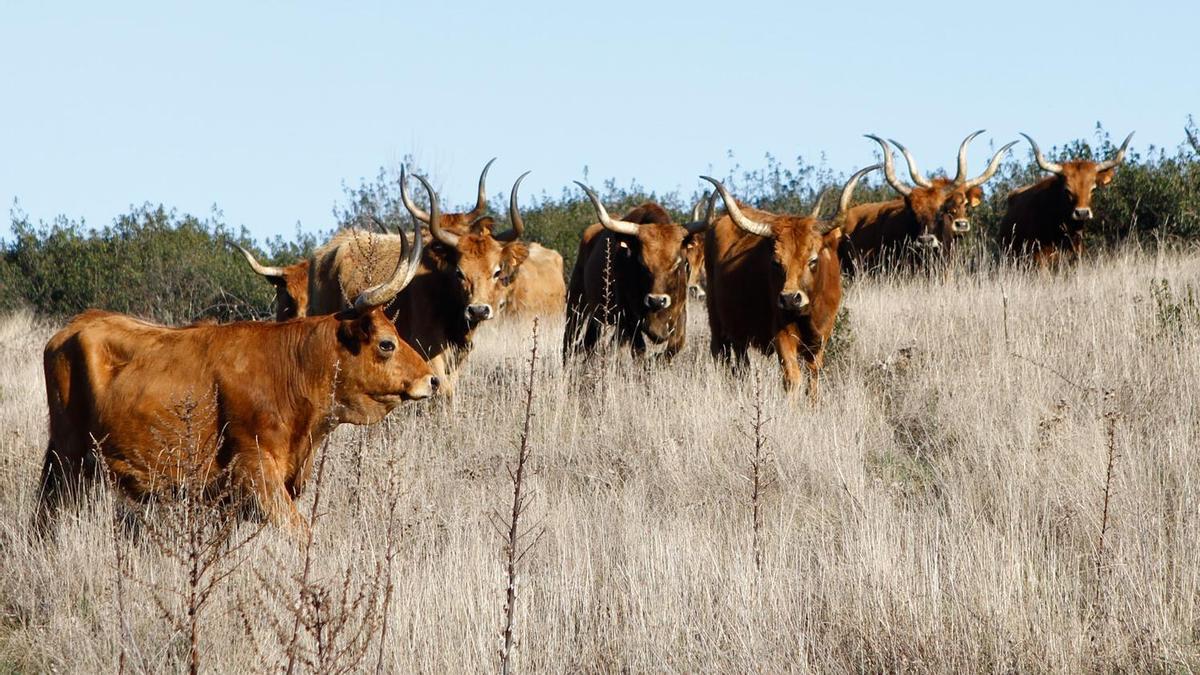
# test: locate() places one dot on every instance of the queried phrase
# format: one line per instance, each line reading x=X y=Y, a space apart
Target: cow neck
x=312 y=366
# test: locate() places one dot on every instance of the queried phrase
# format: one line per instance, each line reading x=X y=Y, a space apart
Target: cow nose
x=423 y=388
x=479 y=312
x=793 y=300
x=433 y=383
x=962 y=225
x=1082 y=214
x=656 y=301
x=928 y=241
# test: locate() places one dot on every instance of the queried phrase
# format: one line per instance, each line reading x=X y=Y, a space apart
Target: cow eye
x=387 y=346
x=812 y=262
x=496 y=272
x=460 y=274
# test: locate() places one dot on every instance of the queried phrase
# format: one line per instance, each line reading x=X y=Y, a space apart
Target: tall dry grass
x=942 y=508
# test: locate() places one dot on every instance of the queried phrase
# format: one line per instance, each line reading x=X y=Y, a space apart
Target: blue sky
x=266 y=108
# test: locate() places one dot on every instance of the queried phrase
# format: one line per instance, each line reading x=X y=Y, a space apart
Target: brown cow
x=774 y=283
x=1045 y=220
x=924 y=222
x=238 y=407
x=536 y=287
x=458 y=285
x=291 y=286
x=631 y=274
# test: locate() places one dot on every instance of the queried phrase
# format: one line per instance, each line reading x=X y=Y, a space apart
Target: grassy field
x=1002 y=474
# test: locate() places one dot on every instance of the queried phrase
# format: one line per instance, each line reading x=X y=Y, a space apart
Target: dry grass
x=941 y=509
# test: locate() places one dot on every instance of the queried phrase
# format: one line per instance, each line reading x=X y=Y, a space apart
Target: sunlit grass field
x=1001 y=474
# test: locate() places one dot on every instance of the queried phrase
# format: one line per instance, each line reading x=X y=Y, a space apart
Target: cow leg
x=67 y=474
x=814 y=358
x=262 y=478
x=787 y=347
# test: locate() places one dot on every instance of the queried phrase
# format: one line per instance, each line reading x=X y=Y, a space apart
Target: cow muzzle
x=478 y=312
x=422 y=388
x=1081 y=214
x=793 y=301
x=961 y=225
x=656 y=301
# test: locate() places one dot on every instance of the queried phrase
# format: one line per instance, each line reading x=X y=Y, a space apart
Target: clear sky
x=266 y=108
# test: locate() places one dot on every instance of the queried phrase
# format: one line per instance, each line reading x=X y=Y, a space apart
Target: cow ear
x=1105 y=177
x=975 y=196
x=356 y=328
x=514 y=254
x=832 y=238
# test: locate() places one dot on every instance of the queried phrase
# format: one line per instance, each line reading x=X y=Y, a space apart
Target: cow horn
x=435 y=225
x=618 y=226
x=960 y=176
x=699 y=224
x=735 y=213
x=481 y=199
x=1045 y=164
x=409 y=204
x=816 y=209
x=992 y=168
x=260 y=269
x=514 y=214
x=848 y=191
x=1117 y=158
x=406 y=265
x=379 y=224
x=918 y=178
x=889 y=169
x=706 y=197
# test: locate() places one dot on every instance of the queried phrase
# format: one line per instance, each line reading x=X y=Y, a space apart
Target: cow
x=631 y=274
x=924 y=222
x=774 y=284
x=1045 y=221
x=458 y=284
x=291 y=285
x=235 y=409
x=536 y=287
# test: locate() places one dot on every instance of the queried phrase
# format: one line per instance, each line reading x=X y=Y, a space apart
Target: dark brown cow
x=459 y=284
x=238 y=407
x=291 y=286
x=631 y=274
x=774 y=284
x=924 y=222
x=1045 y=220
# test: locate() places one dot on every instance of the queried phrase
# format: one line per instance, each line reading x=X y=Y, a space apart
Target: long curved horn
x=992 y=168
x=416 y=211
x=1043 y=163
x=735 y=213
x=406 y=265
x=960 y=176
x=435 y=220
x=816 y=209
x=1117 y=158
x=514 y=214
x=260 y=269
x=379 y=224
x=848 y=191
x=706 y=197
x=918 y=178
x=700 y=224
x=618 y=226
x=889 y=169
x=481 y=199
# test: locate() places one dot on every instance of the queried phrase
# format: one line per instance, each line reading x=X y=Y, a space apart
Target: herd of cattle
x=373 y=319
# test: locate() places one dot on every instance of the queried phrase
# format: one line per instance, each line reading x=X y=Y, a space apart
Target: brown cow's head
x=477 y=263
x=939 y=206
x=376 y=369
x=804 y=247
x=1077 y=179
x=650 y=263
x=291 y=286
